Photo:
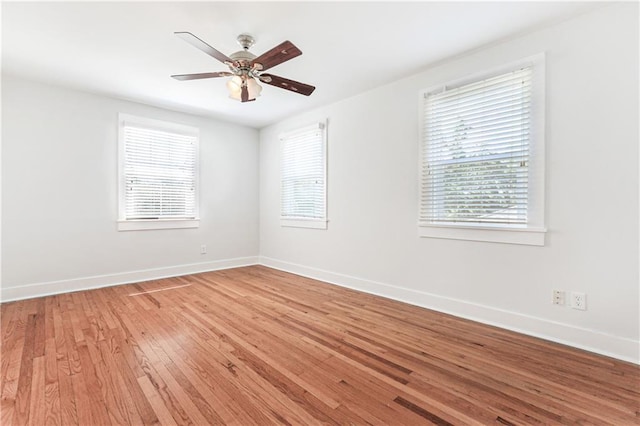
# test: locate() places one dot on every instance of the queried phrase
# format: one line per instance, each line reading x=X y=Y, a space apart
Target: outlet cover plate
x=558 y=297
x=579 y=300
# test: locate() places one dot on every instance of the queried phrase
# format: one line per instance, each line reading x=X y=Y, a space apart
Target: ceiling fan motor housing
x=243 y=57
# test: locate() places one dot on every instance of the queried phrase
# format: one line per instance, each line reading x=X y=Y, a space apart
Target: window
x=482 y=155
x=303 y=178
x=158 y=174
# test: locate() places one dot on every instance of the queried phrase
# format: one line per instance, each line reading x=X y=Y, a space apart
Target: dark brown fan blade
x=183 y=77
x=279 y=54
x=196 y=42
x=285 y=83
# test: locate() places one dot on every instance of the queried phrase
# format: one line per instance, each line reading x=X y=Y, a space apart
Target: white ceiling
x=128 y=50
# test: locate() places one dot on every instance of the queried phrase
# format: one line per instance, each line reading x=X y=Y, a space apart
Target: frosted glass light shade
x=254 y=88
x=234 y=85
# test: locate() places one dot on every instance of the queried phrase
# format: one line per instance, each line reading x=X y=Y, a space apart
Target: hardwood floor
x=259 y=346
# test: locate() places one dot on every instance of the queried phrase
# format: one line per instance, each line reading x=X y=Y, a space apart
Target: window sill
x=302 y=223
x=525 y=236
x=141 y=225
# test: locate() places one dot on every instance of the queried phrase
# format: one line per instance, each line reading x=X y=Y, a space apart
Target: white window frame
x=533 y=233
x=125 y=224
x=297 y=222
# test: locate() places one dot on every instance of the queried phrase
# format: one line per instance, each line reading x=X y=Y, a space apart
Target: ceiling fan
x=245 y=67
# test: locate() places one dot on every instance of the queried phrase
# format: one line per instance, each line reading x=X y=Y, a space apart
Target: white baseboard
x=591 y=340
x=30 y=291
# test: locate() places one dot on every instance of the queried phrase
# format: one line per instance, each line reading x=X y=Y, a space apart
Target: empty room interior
x=299 y=213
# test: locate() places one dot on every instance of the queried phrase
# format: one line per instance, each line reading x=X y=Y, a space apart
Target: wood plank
x=83 y=404
x=23 y=391
x=156 y=402
x=37 y=402
x=51 y=383
x=95 y=404
x=68 y=412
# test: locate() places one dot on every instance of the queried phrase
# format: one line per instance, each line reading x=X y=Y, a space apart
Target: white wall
x=592 y=195
x=59 y=189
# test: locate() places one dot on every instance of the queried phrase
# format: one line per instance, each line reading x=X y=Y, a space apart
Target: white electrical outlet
x=558 y=297
x=579 y=300
x=203 y=249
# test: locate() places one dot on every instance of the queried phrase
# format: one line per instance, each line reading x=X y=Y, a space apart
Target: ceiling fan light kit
x=245 y=68
x=235 y=88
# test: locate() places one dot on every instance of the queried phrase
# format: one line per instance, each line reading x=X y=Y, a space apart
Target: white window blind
x=159 y=173
x=476 y=148
x=303 y=174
